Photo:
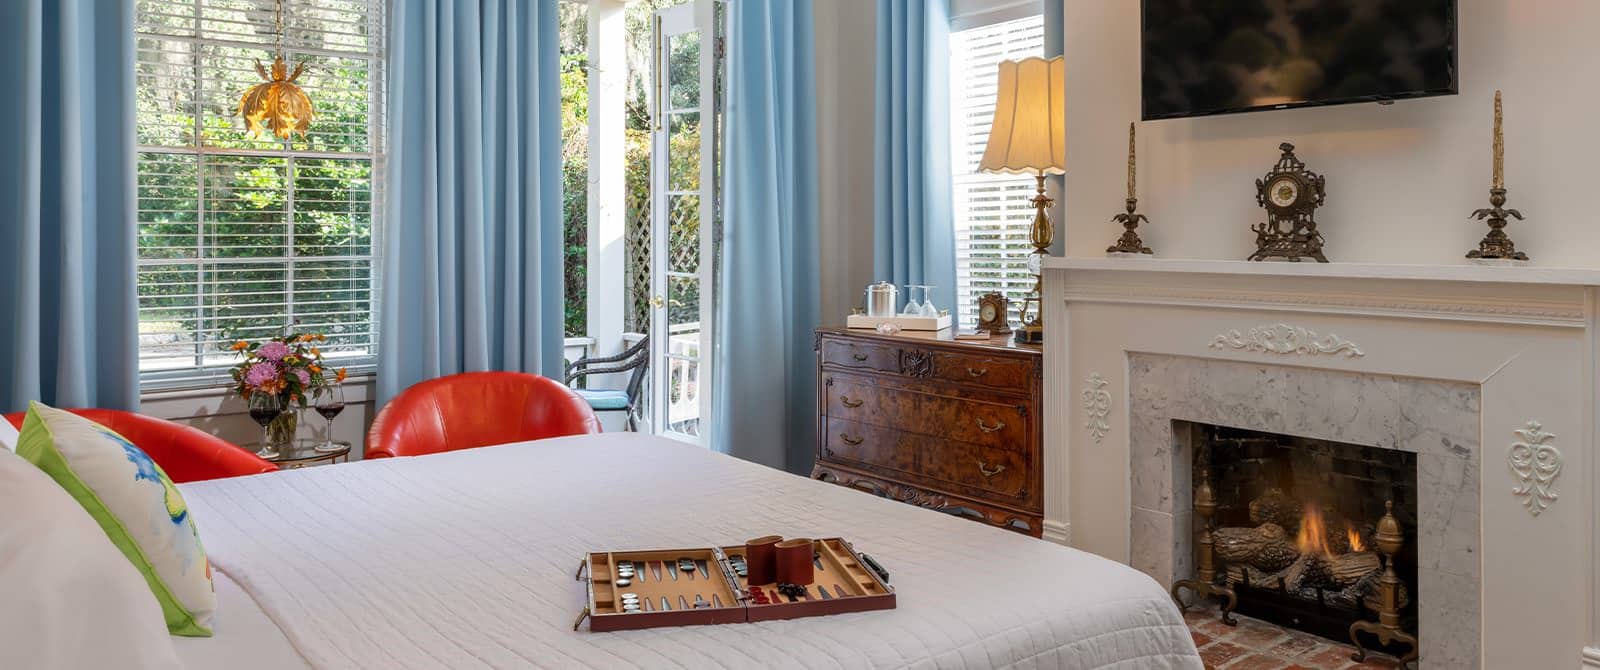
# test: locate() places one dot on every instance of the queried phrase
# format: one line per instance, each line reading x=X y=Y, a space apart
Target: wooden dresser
x=922 y=418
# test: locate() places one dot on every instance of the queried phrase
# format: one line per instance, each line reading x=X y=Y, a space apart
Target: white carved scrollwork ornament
x=1097 y=405
x=1286 y=340
x=1536 y=463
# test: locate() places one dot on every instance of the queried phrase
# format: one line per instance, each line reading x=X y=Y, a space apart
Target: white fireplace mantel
x=1527 y=337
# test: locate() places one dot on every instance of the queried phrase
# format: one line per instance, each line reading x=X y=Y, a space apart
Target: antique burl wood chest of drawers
x=924 y=419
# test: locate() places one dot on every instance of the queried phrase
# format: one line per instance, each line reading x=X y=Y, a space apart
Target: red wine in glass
x=329 y=403
x=330 y=410
x=264 y=416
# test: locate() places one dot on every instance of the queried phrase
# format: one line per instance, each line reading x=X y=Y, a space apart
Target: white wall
x=845 y=56
x=1401 y=179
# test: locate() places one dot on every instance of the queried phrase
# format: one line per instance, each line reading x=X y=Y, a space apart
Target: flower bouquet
x=288 y=366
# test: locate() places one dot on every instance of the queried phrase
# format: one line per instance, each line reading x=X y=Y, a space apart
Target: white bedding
x=466 y=560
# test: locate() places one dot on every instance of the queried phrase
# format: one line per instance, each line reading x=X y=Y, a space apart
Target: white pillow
x=71 y=599
x=8 y=435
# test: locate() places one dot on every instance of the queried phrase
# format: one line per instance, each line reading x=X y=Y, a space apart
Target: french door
x=684 y=217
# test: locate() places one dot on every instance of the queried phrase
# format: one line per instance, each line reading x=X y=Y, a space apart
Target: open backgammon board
x=684 y=587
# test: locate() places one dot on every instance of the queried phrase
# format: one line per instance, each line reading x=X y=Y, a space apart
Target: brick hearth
x=1258 y=645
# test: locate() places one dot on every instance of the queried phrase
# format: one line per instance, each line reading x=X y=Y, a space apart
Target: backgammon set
x=765 y=579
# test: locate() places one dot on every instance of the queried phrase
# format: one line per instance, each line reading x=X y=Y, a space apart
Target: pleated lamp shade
x=1029 y=135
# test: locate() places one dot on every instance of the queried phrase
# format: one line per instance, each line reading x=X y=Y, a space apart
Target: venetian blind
x=992 y=212
x=239 y=235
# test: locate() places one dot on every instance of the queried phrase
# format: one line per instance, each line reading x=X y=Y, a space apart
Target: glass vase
x=280 y=433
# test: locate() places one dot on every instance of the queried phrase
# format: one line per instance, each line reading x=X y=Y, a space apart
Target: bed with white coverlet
x=467 y=560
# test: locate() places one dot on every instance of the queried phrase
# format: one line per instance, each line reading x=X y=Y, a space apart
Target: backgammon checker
x=715 y=585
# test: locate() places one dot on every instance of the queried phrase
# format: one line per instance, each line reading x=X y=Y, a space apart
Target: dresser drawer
x=1000 y=472
x=861 y=355
x=865 y=444
x=1008 y=374
x=998 y=424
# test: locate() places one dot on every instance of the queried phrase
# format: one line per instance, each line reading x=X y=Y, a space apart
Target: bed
x=466 y=560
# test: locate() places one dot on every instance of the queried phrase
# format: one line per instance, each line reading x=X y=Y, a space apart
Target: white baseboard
x=1059 y=532
x=1591 y=658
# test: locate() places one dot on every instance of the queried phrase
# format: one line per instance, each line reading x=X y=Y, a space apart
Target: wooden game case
x=841 y=568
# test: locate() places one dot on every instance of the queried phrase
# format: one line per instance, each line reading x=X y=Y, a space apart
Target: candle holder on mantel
x=1387 y=540
x=1205 y=585
x=1130 y=243
x=1497 y=246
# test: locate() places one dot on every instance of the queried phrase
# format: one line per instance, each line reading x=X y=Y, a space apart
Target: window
x=239 y=235
x=992 y=212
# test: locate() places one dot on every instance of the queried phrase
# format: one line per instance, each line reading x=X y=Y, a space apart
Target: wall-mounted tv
x=1222 y=56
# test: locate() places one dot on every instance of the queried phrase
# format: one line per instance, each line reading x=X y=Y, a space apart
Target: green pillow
x=134 y=502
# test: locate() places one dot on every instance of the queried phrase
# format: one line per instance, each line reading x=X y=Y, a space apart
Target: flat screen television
x=1223 y=56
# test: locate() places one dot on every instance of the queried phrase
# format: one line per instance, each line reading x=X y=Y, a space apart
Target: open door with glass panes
x=685 y=206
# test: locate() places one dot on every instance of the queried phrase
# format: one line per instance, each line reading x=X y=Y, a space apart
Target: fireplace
x=1295 y=522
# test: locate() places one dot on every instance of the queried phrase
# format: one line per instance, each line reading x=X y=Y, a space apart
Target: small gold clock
x=992 y=313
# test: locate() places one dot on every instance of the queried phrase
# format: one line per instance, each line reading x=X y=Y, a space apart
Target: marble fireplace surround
x=1466 y=366
x=1437 y=420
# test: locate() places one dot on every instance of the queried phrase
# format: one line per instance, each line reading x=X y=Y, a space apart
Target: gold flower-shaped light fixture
x=277 y=104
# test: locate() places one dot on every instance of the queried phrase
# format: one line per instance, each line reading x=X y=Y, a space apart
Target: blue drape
x=67 y=207
x=764 y=368
x=913 y=233
x=472 y=263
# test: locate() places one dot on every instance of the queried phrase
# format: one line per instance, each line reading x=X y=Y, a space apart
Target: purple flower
x=260 y=373
x=303 y=376
x=273 y=351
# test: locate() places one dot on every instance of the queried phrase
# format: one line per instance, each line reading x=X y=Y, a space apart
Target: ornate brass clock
x=992 y=313
x=1291 y=195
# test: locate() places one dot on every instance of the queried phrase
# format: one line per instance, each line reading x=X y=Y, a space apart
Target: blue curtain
x=472 y=264
x=67 y=212
x=913 y=233
x=764 y=368
x=1055 y=185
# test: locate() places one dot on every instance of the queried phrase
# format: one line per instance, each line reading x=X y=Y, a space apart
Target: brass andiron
x=1205 y=505
x=1130 y=243
x=1388 y=540
x=1497 y=245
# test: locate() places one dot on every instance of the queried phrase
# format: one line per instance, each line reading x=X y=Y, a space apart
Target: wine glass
x=329 y=403
x=264 y=408
x=913 y=305
x=927 y=302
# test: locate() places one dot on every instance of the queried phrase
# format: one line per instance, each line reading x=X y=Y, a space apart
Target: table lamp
x=1029 y=136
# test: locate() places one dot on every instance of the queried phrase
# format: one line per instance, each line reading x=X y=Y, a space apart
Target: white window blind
x=239 y=235
x=992 y=213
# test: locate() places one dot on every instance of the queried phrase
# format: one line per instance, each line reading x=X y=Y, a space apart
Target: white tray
x=940 y=322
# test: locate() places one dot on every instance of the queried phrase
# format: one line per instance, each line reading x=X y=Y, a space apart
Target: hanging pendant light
x=278 y=104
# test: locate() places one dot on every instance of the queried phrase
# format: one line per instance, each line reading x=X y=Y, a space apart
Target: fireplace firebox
x=1309 y=534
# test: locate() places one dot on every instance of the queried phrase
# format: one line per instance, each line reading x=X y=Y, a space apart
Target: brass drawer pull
x=852 y=404
x=860 y=358
x=978 y=372
x=990 y=472
x=988 y=428
x=853 y=441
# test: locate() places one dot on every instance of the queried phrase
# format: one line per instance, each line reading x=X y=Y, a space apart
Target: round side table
x=304 y=452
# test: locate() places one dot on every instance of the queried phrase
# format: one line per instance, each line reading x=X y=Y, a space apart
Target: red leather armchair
x=186 y=454
x=477 y=409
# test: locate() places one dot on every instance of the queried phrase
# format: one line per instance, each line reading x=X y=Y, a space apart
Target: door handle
x=658 y=302
x=852 y=404
x=988 y=428
x=852 y=441
x=988 y=471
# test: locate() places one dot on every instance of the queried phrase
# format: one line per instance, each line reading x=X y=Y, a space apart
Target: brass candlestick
x=1130 y=243
x=1387 y=541
x=1205 y=505
x=1497 y=245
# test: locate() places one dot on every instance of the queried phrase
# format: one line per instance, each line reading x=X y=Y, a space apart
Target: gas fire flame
x=1355 y=538
x=1313 y=535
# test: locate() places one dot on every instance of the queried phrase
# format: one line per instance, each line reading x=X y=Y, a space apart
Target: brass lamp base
x=1032 y=333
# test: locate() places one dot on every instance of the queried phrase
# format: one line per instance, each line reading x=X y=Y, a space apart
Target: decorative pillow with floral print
x=134 y=502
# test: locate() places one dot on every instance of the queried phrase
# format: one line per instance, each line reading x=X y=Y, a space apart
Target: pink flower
x=273 y=351
x=260 y=373
x=303 y=376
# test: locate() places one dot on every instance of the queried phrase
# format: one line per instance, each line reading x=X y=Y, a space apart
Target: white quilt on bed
x=466 y=560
